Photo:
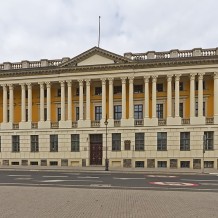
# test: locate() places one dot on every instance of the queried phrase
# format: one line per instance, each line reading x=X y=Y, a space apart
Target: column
x=48 y=85
x=23 y=103
x=123 y=97
x=177 y=78
x=146 y=81
x=5 y=104
x=41 y=101
x=111 y=99
x=131 y=100
x=215 y=100
x=11 y=103
x=88 y=99
x=69 y=100
x=200 y=94
x=154 y=95
x=81 y=99
x=62 y=100
x=192 y=95
x=103 y=80
x=29 y=86
x=169 y=95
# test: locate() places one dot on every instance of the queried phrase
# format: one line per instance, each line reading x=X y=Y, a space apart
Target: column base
x=197 y=120
x=44 y=124
x=7 y=125
x=174 y=121
x=65 y=124
x=84 y=123
x=150 y=121
x=25 y=125
x=215 y=119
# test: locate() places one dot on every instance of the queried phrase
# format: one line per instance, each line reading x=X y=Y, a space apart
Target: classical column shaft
x=48 y=101
x=111 y=99
x=215 y=94
x=177 y=77
x=192 y=95
x=11 y=103
x=23 y=103
x=62 y=100
x=123 y=98
x=169 y=95
x=41 y=101
x=81 y=99
x=69 y=100
x=154 y=95
x=200 y=95
x=29 y=103
x=146 y=80
x=5 y=106
x=131 y=100
x=103 y=98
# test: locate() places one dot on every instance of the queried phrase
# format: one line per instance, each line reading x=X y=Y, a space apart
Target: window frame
x=15 y=143
x=34 y=143
x=116 y=141
x=98 y=113
x=184 y=141
x=161 y=141
x=117 y=112
x=54 y=143
x=139 y=141
x=208 y=142
x=75 y=142
x=138 y=111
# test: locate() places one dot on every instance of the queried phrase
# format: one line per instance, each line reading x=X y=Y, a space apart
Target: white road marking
x=214 y=174
x=128 y=178
x=201 y=180
x=23 y=178
x=101 y=185
x=76 y=180
x=174 y=183
x=87 y=177
x=161 y=176
x=19 y=175
x=54 y=176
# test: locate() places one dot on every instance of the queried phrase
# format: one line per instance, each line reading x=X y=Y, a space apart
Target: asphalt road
x=111 y=180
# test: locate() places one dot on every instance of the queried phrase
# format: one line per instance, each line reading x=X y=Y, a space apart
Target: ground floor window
x=185 y=164
x=162 y=164
x=139 y=164
x=208 y=164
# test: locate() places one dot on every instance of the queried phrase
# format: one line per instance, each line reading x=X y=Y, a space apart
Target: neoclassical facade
x=148 y=110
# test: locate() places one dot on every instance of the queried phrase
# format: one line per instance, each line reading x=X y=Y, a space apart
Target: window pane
x=75 y=143
x=161 y=141
x=116 y=141
x=139 y=141
x=54 y=143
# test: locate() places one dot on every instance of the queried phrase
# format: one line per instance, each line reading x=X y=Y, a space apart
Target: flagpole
x=99 y=30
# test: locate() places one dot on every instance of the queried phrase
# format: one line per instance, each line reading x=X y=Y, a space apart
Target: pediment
x=95 y=56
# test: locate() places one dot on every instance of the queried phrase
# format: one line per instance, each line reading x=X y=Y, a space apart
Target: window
x=75 y=143
x=117 y=89
x=196 y=108
x=208 y=164
x=162 y=164
x=161 y=141
x=77 y=113
x=139 y=141
x=139 y=164
x=208 y=140
x=185 y=164
x=116 y=141
x=45 y=114
x=34 y=143
x=8 y=115
x=117 y=112
x=26 y=115
x=59 y=92
x=181 y=110
x=184 y=141
x=58 y=113
x=53 y=143
x=98 y=112
x=45 y=93
x=15 y=143
x=26 y=93
x=98 y=90
x=159 y=87
x=138 y=111
x=138 y=89
x=159 y=110
x=196 y=85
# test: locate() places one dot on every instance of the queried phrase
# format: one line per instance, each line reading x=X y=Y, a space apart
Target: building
x=160 y=108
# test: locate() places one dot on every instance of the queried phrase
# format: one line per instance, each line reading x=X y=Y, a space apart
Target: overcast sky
x=52 y=29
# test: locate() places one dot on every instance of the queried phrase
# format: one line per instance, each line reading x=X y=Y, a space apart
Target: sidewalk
x=101 y=169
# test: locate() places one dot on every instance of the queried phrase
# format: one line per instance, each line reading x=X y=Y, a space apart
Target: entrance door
x=96 y=149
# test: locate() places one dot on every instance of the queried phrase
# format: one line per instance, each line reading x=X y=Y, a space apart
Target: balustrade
x=95 y=123
x=139 y=122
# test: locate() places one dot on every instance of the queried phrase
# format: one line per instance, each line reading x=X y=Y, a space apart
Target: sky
x=52 y=29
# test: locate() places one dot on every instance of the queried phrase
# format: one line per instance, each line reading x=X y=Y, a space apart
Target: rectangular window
x=117 y=112
x=98 y=112
x=58 y=113
x=34 y=143
x=161 y=141
x=45 y=93
x=26 y=93
x=138 y=89
x=75 y=143
x=139 y=141
x=45 y=114
x=184 y=141
x=26 y=115
x=138 y=111
x=98 y=90
x=162 y=164
x=53 y=143
x=8 y=115
x=116 y=141
x=15 y=143
x=208 y=140
x=58 y=92
x=77 y=113
x=159 y=110
x=208 y=164
x=159 y=87
x=139 y=164
x=185 y=164
x=117 y=89
x=181 y=110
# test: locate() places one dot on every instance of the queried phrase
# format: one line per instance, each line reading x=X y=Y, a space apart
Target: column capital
x=88 y=82
x=215 y=75
x=22 y=85
x=29 y=85
x=110 y=79
x=69 y=83
x=103 y=80
x=169 y=78
x=200 y=76
x=62 y=83
x=192 y=76
x=11 y=86
x=41 y=84
x=123 y=80
x=48 y=84
x=4 y=85
x=177 y=77
x=154 y=78
x=146 y=79
x=131 y=78
x=80 y=82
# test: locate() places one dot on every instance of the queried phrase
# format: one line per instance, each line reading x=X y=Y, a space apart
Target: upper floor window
x=116 y=141
x=161 y=141
x=15 y=143
x=77 y=113
x=159 y=87
x=117 y=89
x=138 y=111
x=58 y=113
x=98 y=90
x=59 y=92
x=98 y=112
x=45 y=93
x=208 y=140
x=181 y=110
x=138 y=89
x=196 y=109
x=117 y=112
x=159 y=110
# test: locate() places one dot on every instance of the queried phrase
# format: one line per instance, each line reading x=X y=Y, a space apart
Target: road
x=111 y=180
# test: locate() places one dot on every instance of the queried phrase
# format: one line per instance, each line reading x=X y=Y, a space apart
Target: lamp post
x=106 y=160
x=204 y=145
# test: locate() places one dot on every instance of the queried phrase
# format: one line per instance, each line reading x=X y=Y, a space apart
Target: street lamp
x=204 y=145
x=106 y=160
